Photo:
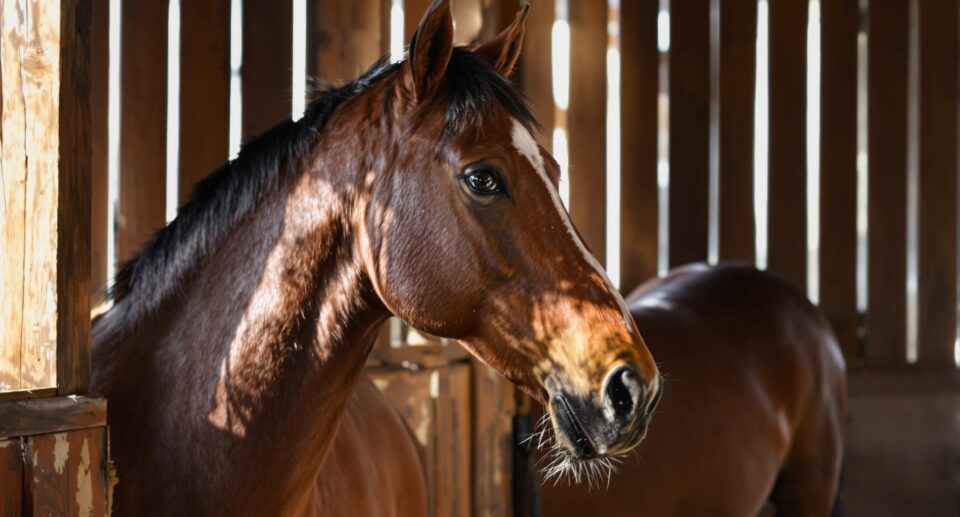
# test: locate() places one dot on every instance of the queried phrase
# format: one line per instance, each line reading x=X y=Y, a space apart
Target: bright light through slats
x=236 y=61
x=560 y=154
x=761 y=134
x=813 y=152
x=913 y=180
x=396 y=31
x=561 y=64
x=173 y=110
x=613 y=150
x=298 y=89
x=113 y=134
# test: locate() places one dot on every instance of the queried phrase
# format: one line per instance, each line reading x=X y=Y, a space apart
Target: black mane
x=221 y=200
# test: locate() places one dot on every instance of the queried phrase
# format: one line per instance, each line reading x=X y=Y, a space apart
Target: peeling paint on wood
x=67 y=474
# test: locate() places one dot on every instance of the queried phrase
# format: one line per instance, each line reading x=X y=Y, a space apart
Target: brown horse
x=239 y=334
x=753 y=410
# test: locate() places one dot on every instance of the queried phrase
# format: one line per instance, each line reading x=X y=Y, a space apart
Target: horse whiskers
x=561 y=466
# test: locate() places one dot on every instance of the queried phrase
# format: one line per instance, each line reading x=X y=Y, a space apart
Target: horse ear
x=430 y=49
x=504 y=50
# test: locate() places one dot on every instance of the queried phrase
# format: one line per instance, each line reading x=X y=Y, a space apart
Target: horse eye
x=483 y=182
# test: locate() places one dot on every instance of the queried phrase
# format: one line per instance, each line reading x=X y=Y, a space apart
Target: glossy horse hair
x=224 y=198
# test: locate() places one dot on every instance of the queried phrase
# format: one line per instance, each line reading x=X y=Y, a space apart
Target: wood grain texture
x=204 y=90
x=737 y=79
x=143 y=115
x=73 y=211
x=453 y=466
x=639 y=65
x=586 y=122
x=493 y=409
x=938 y=181
x=689 y=130
x=350 y=37
x=66 y=473
x=787 y=225
x=54 y=414
x=887 y=191
x=535 y=73
x=267 y=65
x=11 y=478
x=99 y=90
x=838 y=171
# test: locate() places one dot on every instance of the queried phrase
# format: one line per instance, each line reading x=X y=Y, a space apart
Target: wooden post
x=737 y=77
x=350 y=37
x=204 y=90
x=267 y=65
x=838 y=171
x=787 y=227
x=938 y=181
x=536 y=68
x=413 y=11
x=689 y=130
x=639 y=70
x=887 y=148
x=99 y=90
x=586 y=121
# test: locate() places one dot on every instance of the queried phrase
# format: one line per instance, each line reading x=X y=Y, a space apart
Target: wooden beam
x=51 y=415
x=787 y=226
x=838 y=171
x=586 y=121
x=350 y=37
x=536 y=68
x=204 y=90
x=639 y=71
x=11 y=477
x=937 y=324
x=689 y=130
x=887 y=192
x=267 y=65
x=99 y=91
x=737 y=79
x=66 y=473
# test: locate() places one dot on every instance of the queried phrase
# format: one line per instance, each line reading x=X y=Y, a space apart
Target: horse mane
x=220 y=201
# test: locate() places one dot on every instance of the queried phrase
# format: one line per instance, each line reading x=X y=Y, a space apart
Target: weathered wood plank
x=99 y=91
x=48 y=415
x=586 y=121
x=267 y=65
x=143 y=116
x=535 y=73
x=494 y=404
x=737 y=78
x=787 y=226
x=689 y=130
x=887 y=191
x=11 y=478
x=838 y=171
x=204 y=90
x=937 y=326
x=350 y=37
x=73 y=210
x=639 y=65
x=66 y=473
x=453 y=440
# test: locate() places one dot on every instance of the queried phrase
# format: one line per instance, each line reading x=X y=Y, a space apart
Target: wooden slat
x=586 y=121
x=493 y=410
x=11 y=478
x=787 y=227
x=73 y=209
x=887 y=119
x=66 y=473
x=639 y=65
x=938 y=181
x=689 y=130
x=413 y=11
x=143 y=116
x=350 y=37
x=48 y=415
x=453 y=440
x=536 y=68
x=267 y=64
x=204 y=90
x=99 y=91
x=838 y=170
x=738 y=44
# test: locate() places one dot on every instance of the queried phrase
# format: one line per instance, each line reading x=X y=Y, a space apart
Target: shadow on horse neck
x=239 y=332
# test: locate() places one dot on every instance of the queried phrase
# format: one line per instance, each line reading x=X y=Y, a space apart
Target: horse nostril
x=621 y=393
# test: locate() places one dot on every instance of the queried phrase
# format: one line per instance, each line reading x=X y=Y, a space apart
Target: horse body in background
x=238 y=336
x=753 y=409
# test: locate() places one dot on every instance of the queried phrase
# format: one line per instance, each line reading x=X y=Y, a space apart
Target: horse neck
x=264 y=346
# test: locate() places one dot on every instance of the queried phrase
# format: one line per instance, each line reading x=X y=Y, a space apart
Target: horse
x=754 y=407
x=237 y=336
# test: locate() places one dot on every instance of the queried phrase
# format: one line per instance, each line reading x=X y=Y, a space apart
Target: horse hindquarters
x=374 y=467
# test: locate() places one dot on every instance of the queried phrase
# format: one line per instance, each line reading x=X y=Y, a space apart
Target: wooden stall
x=53 y=436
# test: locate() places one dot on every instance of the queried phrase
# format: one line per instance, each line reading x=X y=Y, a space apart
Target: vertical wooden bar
x=689 y=130
x=738 y=48
x=351 y=36
x=11 y=478
x=143 y=122
x=66 y=473
x=73 y=209
x=493 y=410
x=938 y=181
x=639 y=64
x=99 y=92
x=838 y=170
x=204 y=90
x=787 y=228
x=586 y=121
x=887 y=149
x=536 y=67
x=413 y=11
x=453 y=438
x=267 y=65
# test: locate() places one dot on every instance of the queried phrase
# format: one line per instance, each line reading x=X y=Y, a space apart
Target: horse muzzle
x=612 y=425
